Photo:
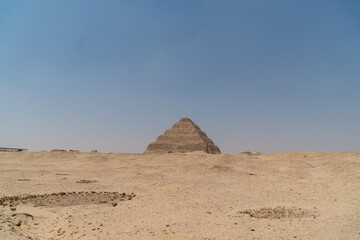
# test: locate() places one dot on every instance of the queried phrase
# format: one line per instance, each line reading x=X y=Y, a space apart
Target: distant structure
x=58 y=150
x=184 y=136
x=6 y=149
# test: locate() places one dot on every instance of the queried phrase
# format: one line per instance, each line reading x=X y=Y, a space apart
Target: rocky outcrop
x=184 y=136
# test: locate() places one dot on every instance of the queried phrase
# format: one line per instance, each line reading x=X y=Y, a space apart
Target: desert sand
x=70 y=195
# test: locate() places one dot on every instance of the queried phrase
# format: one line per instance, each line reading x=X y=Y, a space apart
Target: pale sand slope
x=181 y=196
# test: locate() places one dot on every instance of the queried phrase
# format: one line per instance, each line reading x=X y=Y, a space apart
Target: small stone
x=114 y=204
x=252 y=229
x=13 y=209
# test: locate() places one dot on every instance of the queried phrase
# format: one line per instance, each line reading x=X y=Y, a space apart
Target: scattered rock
x=278 y=212
x=86 y=181
x=26 y=215
x=61 y=174
x=251 y=174
x=66 y=199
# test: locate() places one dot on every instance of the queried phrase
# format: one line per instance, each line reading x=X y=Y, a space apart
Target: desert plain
x=72 y=195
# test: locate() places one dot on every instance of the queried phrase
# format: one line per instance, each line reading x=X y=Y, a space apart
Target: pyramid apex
x=185 y=119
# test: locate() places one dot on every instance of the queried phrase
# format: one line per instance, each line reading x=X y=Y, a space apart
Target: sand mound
x=251 y=153
x=184 y=136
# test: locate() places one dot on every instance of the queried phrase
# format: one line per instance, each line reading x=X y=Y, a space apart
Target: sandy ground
x=300 y=195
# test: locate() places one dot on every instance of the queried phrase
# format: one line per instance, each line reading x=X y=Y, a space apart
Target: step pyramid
x=184 y=136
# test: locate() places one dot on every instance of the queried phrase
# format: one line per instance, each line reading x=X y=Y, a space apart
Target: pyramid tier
x=179 y=138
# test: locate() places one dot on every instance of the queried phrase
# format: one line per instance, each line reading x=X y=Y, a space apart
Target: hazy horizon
x=275 y=76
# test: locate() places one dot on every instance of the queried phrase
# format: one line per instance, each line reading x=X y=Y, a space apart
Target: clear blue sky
x=272 y=76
